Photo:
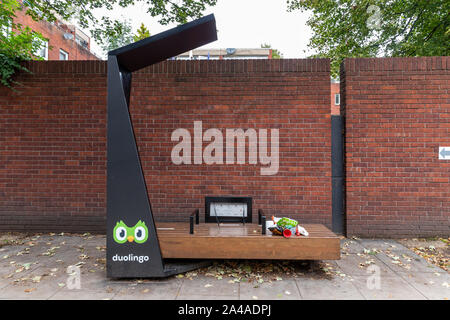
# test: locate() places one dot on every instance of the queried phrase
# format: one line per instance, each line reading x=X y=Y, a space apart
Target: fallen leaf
x=26 y=265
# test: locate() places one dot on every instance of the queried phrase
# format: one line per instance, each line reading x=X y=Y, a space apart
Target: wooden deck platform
x=238 y=241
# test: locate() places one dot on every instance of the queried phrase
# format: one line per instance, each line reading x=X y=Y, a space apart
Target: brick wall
x=397 y=115
x=52 y=143
x=290 y=95
x=52 y=148
x=335 y=109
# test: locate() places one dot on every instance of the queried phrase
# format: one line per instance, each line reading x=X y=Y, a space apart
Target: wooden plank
x=242 y=242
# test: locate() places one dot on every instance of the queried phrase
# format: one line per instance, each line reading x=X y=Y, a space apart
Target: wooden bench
x=244 y=241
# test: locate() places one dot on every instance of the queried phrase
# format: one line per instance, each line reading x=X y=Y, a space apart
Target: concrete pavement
x=36 y=268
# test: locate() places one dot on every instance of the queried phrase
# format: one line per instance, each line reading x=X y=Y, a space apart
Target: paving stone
x=82 y=295
x=203 y=297
x=163 y=290
x=131 y=286
x=409 y=263
x=350 y=265
x=381 y=244
x=276 y=290
x=4 y=283
x=9 y=271
x=419 y=282
x=10 y=250
x=391 y=288
x=207 y=286
x=40 y=290
x=432 y=286
x=20 y=256
x=351 y=246
x=324 y=289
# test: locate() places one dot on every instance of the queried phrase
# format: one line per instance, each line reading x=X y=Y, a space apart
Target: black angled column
x=132 y=241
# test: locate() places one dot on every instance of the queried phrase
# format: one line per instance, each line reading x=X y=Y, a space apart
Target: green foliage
x=120 y=38
x=276 y=54
x=21 y=42
x=370 y=28
x=102 y=28
x=141 y=33
x=17 y=43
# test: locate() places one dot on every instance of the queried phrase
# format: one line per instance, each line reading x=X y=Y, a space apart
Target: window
x=43 y=49
x=81 y=42
x=337 y=99
x=63 y=55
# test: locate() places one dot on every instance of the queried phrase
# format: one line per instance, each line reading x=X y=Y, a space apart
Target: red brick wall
x=397 y=115
x=52 y=148
x=291 y=95
x=52 y=142
x=335 y=109
x=56 y=41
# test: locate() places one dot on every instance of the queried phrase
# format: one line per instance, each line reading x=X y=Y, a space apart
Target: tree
x=371 y=28
x=17 y=42
x=121 y=38
x=141 y=33
x=275 y=53
x=81 y=12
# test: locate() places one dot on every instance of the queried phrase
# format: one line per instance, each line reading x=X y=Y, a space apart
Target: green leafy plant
x=121 y=37
x=19 y=43
x=276 y=54
x=373 y=28
x=141 y=33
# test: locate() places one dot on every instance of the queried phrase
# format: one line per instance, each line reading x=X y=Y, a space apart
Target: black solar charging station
x=133 y=249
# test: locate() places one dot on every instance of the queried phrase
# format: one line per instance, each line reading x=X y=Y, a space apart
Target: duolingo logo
x=122 y=233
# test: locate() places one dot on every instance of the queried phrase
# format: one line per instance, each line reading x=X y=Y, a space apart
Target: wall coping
x=400 y=64
x=188 y=66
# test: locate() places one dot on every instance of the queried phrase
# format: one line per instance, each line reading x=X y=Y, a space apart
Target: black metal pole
x=263 y=225
x=337 y=174
x=128 y=204
x=191 y=225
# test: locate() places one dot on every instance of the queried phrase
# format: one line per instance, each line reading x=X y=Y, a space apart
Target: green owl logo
x=122 y=233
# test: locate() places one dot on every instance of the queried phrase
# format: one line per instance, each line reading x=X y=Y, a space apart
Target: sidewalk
x=36 y=268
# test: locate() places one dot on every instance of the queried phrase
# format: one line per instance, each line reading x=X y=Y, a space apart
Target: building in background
x=228 y=53
x=335 y=97
x=65 y=42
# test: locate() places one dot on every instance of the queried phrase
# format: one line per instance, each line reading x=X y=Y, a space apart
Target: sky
x=240 y=24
